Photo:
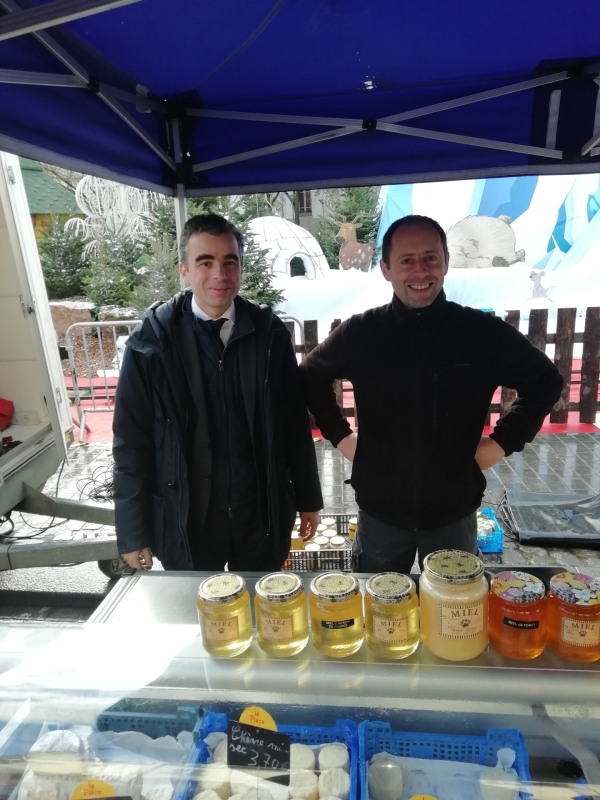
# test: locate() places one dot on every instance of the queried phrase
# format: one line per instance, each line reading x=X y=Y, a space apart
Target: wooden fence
x=564 y=340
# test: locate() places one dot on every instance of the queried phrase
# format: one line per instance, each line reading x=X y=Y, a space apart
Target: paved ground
x=553 y=463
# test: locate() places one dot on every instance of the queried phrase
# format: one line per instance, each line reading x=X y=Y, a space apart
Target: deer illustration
x=353 y=254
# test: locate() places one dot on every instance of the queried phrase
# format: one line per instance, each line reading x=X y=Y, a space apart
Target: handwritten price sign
x=249 y=746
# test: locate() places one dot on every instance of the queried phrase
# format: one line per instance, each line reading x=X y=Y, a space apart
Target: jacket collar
x=430 y=314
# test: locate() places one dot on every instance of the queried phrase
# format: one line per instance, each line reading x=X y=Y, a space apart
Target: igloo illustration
x=284 y=241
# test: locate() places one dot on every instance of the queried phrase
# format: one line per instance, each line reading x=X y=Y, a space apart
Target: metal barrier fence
x=92 y=391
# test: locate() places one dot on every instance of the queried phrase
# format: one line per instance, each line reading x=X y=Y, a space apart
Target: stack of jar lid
x=455 y=616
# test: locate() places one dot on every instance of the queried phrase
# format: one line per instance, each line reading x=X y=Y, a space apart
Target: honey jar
x=281 y=615
x=517 y=615
x=224 y=615
x=352 y=527
x=453 y=596
x=574 y=616
x=336 y=614
x=297 y=542
x=391 y=615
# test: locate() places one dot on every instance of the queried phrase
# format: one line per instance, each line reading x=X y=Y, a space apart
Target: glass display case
x=139 y=664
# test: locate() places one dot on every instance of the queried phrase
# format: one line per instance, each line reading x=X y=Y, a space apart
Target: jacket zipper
x=267 y=453
x=418 y=424
x=221 y=356
x=435 y=399
x=184 y=537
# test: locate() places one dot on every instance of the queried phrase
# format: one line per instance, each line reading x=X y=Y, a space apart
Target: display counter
x=143 y=645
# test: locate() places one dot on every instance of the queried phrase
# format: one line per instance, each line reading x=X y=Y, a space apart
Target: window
x=305 y=202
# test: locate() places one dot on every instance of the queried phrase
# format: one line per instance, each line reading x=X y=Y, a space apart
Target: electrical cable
x=6 y=538
x=100 y=485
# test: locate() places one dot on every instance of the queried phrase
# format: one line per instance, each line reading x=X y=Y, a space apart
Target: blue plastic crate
x=376 y=737
x=152 y=717
x=582 y=797
x=495 y=542
x=344 y=731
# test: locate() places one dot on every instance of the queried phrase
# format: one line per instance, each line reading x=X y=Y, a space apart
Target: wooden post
x=337 y=385
x=311 y=340
x=538 y=328
x=588 y=400
x=291 y=326
x=311 y=335
x=508 y=395
x=563 y=360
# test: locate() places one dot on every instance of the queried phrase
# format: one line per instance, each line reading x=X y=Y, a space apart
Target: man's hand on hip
x=488 y=453
x=139 y=559
x=308 y=524
x=347 y=446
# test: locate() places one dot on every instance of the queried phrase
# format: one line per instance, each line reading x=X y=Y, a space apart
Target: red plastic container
x=7 y=409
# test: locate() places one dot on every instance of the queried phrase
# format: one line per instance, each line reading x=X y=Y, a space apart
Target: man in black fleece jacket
x=424 y=371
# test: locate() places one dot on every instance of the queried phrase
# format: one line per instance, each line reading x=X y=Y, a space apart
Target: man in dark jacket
x=424 y=371
x=212 y=442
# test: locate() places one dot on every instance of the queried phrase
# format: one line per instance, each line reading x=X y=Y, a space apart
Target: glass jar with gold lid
x=453 y=596
x=224 y=615
x=281 y=615
x=391 y=615
x=574 y=616
x=336 y=616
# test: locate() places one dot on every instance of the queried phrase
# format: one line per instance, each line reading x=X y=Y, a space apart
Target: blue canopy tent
x=196 y=98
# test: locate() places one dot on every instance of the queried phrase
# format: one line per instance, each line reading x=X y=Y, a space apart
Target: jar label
x=337 y=624
x=461 y=622
x=519 y=623
x=277 y=628
x=386 y=629
x=580 y=632
x=221 y=630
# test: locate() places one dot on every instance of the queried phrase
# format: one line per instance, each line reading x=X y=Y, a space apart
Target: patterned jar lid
x=576 y=588
x=518 y=587
x=221 y=588
x=390 y=587
x=278 y=587
x=334 y=586
x=453 y=566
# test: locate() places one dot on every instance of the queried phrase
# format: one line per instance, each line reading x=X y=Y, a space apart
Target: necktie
x=215 y=325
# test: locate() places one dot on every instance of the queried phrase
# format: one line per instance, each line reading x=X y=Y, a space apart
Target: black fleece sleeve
x=133 y=453
x=521 y=366
x=326 y=363
x=299 y=443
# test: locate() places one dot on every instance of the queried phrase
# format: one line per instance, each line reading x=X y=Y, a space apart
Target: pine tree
x=257 y=279
x=64 y=262
x=355 y=203
x=159 y=276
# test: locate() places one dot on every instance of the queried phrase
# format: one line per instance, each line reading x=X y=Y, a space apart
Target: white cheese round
x=301 y=757
x=334 y=755
x=334 y=782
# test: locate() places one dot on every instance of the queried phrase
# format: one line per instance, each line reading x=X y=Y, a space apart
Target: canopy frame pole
x=179 y=199
x=294 y=119
x=56 y=12
x=40 y=79
x=422 y=133
x=276 y=148
x=80 y=72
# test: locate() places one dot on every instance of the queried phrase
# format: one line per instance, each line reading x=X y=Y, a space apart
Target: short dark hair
x=415 y=219
x=214 y=224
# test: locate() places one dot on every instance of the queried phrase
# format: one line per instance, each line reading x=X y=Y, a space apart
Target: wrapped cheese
x=304 y=785
x=334 y=782
x=301 y=757
x=216 y=777
x=257 y=794
x=125 y=779
x=220 y=752
x=207 y=794
x=57 y=753
x=496 y=784
x=47 y=787
x=385 y=780
x=334 y=755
